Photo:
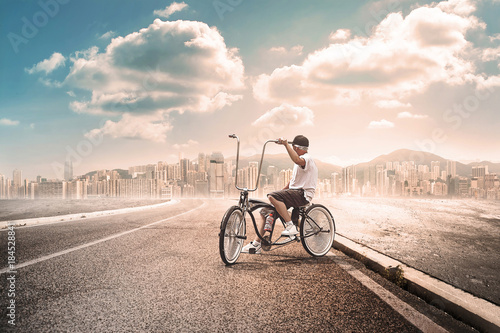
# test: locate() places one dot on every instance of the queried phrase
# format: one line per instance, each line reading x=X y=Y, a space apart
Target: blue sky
x=112 y=84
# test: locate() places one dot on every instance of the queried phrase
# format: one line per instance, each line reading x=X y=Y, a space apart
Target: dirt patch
x=457 y=241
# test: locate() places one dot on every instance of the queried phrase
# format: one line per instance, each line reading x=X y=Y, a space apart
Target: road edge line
x=477 y=312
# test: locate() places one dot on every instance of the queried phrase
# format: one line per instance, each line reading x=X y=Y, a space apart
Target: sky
x=117 y=83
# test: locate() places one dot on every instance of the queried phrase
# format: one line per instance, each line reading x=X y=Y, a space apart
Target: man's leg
x=281 y=208
x=260 y=226
x=290 y=228
x=256 y=244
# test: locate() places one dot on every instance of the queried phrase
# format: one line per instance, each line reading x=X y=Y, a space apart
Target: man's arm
x=293 y=155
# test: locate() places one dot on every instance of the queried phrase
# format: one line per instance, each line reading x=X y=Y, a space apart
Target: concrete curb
x=79 y=216
x=474 y=311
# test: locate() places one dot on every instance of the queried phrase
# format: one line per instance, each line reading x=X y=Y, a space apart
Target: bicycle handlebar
x=234 y=136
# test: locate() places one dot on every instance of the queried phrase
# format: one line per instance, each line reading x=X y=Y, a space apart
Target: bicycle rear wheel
x=317 y=230
x=232 y=235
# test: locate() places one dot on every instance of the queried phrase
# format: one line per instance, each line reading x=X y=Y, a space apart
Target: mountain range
x=282 y=161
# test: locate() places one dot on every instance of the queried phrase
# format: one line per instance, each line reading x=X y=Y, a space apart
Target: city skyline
x=108 y=88
x=213 y=176
x=66 y=172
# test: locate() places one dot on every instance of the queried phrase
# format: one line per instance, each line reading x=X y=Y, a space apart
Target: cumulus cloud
x=181 y=66
x=409 y=115
x=169 y=10
x=287 y=115
x=134 y=127
x=55 y=61
x=402 y=57
x=382 y=124
x=8 y=122
x=340 y=36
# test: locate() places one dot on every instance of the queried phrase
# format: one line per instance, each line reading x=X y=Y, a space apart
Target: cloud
x=108 y=35
x=409 y=115
x=401 y=58
x=169 y=10
x=382 y=124
x=186 y=145
x=282 y=51
x=181 y=66
x=134 y=127
x=340 y=36
x=55 y=61
x=287 y=115
x=50 y=83
x=8 y=122
x=392 y=104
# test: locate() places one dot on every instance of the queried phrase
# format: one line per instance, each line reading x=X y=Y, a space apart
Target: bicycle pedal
x=251 y=251
x=266 y=244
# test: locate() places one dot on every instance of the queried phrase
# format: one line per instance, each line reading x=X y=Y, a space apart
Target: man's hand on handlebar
x=282 y=141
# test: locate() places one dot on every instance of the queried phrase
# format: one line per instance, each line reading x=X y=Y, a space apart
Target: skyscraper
x=216 y=175
x=68 y=170
x=184 y=163
x=479 y=170
x=17 y=177
x=253 y=169
x=451 y=168
x=435 y=170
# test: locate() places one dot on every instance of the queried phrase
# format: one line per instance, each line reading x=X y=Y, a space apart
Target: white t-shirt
x=305 y=177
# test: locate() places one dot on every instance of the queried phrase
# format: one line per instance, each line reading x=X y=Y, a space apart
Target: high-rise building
x=335 y=183
x=284 y=178
x=184 y=164
x=3 y=187
x=17 y=178
x=435 y=170
x=216 y=175
x=68 y=170
x=451 y=168
x=202 y=162
x=479 y=170
x=348 y=179
x=253 y=169
x=272 y=175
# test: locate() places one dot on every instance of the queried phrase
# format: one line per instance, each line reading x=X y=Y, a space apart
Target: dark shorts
x=291 y=198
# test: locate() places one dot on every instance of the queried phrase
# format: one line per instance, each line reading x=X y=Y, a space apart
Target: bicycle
x=315 y=222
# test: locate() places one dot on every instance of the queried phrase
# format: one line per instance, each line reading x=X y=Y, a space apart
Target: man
x=299 y=191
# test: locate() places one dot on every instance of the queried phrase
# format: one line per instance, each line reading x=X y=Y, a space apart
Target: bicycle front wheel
x=317 y=231
x=232 y=235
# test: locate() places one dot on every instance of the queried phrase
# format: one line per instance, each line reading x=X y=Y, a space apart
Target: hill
x=282 y=161
x=419 y=157
x=492 y=167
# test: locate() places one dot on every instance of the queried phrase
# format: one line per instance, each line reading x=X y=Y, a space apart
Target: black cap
x=300 y=140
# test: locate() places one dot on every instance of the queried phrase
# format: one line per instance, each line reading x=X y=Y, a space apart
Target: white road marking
x=413 y=316
x=79 y=247
x=38 y=221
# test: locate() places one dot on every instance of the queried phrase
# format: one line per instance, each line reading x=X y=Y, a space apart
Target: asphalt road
x=160 y=271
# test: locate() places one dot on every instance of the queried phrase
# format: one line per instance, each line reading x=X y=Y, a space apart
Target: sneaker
x=251 y=248
x=291 y=230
